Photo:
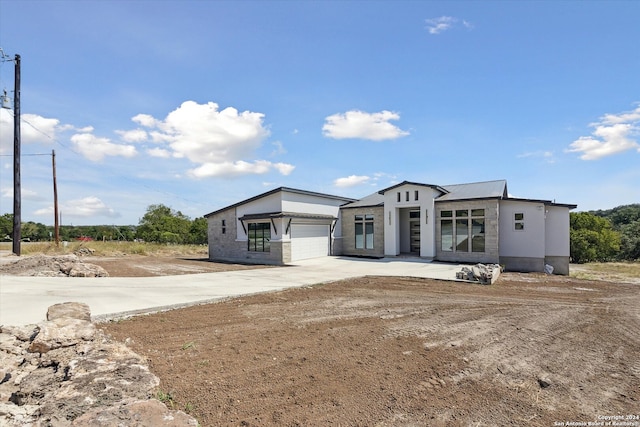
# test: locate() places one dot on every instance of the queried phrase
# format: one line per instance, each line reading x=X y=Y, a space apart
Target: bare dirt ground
x=530 y=350
x=147 y=266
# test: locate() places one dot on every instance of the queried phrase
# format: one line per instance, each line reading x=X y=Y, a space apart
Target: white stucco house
x=466 y=223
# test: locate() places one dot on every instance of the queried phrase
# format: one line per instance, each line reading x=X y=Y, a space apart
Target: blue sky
x=200 y=104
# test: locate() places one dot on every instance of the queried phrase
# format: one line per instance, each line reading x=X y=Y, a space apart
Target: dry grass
x=109 y=248
x=612 y=271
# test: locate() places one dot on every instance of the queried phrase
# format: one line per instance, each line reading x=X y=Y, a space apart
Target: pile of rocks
x=52 y=266
x=65 y=372
x=486 y=274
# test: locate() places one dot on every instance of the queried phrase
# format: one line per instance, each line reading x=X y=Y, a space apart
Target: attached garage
x=310 y=241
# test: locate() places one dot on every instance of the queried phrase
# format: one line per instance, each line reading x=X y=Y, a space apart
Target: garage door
x=309 y=241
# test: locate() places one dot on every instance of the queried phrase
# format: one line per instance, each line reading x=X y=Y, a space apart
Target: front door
x=414 y=231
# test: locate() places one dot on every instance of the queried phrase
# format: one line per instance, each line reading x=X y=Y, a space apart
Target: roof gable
x=281 y=190
x=435 y=187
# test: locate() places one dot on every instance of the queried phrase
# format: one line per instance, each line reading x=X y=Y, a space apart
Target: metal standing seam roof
x=375 y=199
x=475 y=190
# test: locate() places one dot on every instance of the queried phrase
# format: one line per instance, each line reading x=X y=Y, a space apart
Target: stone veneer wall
x=349 y=231
x=491 y=238
x=225 y=246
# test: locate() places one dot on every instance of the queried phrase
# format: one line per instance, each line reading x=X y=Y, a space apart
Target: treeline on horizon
x=160 y=224
x=596 y=236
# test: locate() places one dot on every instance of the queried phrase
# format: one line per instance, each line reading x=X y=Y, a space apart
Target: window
x=224 y=226
x=518 y=221
x=415 y=195
x=364 y=231
x=259 y=237
x=469 y=232
x=446 y=230
x=398 y=196
x=407 y=196
x=477 y=235
x=462 y=235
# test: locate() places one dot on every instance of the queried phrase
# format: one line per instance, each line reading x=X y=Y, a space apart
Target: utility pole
x=17 y=217
x=55 y=199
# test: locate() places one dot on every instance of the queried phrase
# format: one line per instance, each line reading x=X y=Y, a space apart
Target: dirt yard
x=530 y=350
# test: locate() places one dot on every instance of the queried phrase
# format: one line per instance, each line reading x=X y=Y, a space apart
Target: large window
x=364 y=231
x=446 y=229
x=467 y=229
x=259 y=237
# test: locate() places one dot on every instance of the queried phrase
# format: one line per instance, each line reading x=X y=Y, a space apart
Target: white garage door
x=309 y=241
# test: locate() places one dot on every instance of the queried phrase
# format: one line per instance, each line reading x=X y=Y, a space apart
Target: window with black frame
x=259 y=237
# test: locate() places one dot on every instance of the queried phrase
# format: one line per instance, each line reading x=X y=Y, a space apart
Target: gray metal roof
x=375 y=199
x=475 y=190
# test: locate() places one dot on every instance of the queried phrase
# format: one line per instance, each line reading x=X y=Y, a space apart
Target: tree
x=592 y=238
x=630 y=242
x=6 y=226
x=164 y=225
x=198 y=234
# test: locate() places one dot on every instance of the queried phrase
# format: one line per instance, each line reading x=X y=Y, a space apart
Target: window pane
x=462 y=212
x=519 y=225
x=477 y=235
x=369 y=235
x=415 y=197
x=414 y=214
x=359 y=217
x=462 y=235
x=368 y=217
x=519 y=216
x=359 y=236
x=446 y=214
x=446 y=231
x=477 y=212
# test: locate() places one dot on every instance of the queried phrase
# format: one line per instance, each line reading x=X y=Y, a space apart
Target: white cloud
x=33 y=129
x=219 y=141
x=86 y=207
x=362 y=125
x=445 y=23
x=351 y=181
x=25 y=194
x=613 y=134
x=145 y=120
x=231 y=169
x=159 y=152
x=284 y=168
x=547 y=156
x=135 y=135
x=279 y=149
x=96 y=149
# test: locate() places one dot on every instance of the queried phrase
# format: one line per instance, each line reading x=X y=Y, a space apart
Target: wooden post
x=56 y=226
x=17 y=216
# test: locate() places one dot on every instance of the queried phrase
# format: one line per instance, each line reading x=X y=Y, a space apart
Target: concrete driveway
x=24 y=300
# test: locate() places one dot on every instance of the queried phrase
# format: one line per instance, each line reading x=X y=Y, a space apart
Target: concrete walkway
x=24 y=300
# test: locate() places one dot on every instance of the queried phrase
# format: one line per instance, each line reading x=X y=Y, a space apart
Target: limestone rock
x=64 y=372
x=74 y=310
x=52 y=266
x=61 y=332
x=153 y=412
